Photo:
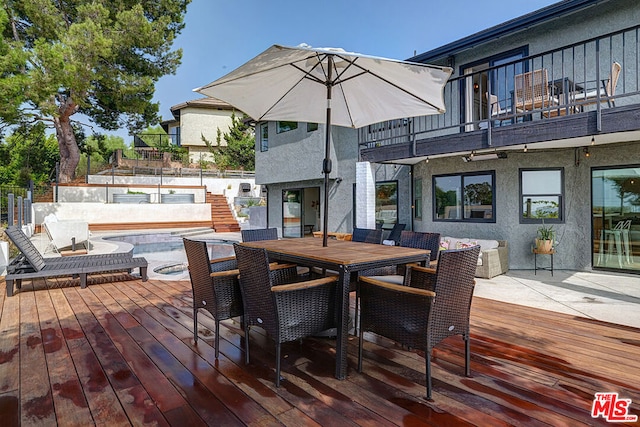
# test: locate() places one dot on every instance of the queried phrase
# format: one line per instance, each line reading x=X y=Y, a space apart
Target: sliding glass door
x=616 y=218
x=300 y=211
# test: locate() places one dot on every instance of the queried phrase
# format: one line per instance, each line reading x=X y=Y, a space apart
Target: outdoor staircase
x=222 y=219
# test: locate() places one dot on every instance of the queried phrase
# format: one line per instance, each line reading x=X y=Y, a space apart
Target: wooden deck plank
x=234 y=371
x=136 y=402
x=160 y=389
x=36 y=401
x=103 y=403
x=316 y=411
x=70 y=404
x=9 y=343
x=129 y=347
x=179 y=358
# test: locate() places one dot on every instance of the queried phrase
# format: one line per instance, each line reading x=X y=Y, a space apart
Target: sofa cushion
x=485 y=245
x=448 y=242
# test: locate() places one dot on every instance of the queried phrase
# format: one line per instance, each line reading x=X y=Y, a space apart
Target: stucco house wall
x=294 y=160
x=574 y=235
x=197 y=118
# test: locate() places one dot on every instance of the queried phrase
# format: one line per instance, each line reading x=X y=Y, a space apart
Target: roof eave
x=534 y=18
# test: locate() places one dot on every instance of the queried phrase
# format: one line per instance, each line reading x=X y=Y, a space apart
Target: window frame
x=417 y=198
x=561 y=197
x=491 y=220
x=281 y=128
x=384 y=183
x=264 y=139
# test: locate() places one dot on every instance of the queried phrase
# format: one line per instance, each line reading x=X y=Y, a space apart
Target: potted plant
x=544 y=238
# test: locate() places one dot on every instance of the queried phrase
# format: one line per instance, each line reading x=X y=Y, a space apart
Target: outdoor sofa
x=31 y=264
x=494 y=254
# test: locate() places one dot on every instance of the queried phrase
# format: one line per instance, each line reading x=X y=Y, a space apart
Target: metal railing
x=575 y=79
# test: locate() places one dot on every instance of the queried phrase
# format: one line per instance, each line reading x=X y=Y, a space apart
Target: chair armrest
x=305 y=285
x=273 y=266
x=398 y=288
x=429 y=270
x=226 y=273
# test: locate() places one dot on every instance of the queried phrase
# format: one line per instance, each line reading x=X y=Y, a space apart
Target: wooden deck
x=122 y=353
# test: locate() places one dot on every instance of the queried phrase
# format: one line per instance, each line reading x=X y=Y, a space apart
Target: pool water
x=165 y=251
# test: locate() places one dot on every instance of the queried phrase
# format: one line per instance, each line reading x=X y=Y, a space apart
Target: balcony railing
x=592 y=75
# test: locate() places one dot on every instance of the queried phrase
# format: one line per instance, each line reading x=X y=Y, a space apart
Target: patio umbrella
x=330 y=86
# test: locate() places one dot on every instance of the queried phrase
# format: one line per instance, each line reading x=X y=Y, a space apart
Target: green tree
x=239 y=153
x=99 y=148
x=155 y=136
x=28 y=154
x=97 y=58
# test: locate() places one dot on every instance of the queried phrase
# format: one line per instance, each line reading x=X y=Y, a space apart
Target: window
x=264 y=137
x=386 y=203
x=286 y=126
x=464 y=197
x=312 y=127
x=541 y=195
x=417 y=198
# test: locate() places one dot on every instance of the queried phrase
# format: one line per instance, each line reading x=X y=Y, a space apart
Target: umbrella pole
x=326 y=165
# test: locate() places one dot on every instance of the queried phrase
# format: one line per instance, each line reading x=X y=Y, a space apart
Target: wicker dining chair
x=255 y=234
x=367 y=235
x=421 y=318
x=286 y=312
x=214 y=285
x=394 y=235
x=422 y=240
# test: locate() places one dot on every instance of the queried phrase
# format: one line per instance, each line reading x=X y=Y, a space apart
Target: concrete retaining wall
x=114 y=213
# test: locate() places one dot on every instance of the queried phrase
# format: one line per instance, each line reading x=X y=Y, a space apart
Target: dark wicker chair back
x=219 y=295
x=421 y=320
x=420 y=240
x=396 y=232
x=285 y=313
x=255 y=285
x=259 y=234
x=454 y=291
x=367 y=235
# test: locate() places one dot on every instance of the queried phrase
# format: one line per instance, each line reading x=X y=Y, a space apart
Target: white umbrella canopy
x=330 y=86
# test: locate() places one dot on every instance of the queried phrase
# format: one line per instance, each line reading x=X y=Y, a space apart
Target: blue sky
x=219 y=36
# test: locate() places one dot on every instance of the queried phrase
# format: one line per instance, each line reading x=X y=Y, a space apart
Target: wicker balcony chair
x=286 y=312
x=259 y=234
x=532 y=92
x=367 y=235
x=215 y=287
x=425 y=313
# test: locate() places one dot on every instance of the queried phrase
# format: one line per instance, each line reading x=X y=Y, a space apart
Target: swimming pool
x=165 y=251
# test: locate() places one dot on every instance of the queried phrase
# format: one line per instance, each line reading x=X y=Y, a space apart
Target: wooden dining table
x=347 y=258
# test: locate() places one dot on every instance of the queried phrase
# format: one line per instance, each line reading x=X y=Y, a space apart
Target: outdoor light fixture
x=489 y=156
x=593 y=140
x=586 y=152
x=525 y=148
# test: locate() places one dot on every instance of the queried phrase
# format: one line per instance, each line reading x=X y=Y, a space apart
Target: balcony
x=558 y=98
